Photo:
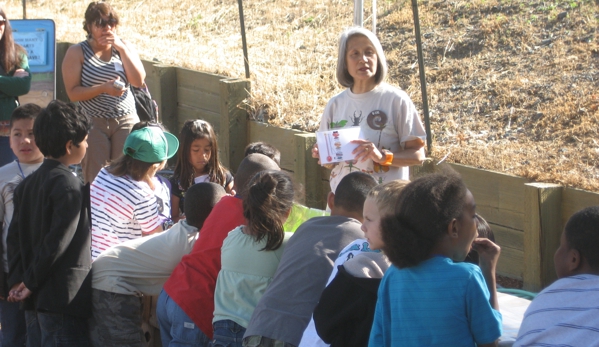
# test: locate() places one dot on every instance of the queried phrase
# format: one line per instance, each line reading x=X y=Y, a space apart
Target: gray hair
x=343 y=76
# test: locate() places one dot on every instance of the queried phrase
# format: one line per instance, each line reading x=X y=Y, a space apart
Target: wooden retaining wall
x=527 y=217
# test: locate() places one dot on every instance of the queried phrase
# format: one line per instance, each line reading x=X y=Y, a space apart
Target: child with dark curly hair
x=430 y=297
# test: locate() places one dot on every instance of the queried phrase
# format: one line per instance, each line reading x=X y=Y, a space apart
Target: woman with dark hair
x=15 y=80
x=98 y=73
x=393 y=135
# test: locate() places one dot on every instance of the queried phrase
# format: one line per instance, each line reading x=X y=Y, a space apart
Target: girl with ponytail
x=250 y=255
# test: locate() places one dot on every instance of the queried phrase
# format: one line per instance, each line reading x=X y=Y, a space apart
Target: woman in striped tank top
x=97 y=72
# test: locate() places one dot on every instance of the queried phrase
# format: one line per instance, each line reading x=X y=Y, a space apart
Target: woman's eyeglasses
x=2 y=21
x=103 y=23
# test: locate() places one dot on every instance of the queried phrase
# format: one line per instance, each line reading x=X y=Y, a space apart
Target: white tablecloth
x=512 y=309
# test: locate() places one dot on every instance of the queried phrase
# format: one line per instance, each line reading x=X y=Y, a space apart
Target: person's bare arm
x=488 y=253
x=412 y=154
x=134 y=69
x=229 y=188
x=492 y=344
x=72 y=66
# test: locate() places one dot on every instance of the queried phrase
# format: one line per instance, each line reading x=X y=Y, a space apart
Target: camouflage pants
x=263 y=341
x=116 y=320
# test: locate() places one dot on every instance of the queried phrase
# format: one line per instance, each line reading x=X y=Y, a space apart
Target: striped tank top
x=96 y=71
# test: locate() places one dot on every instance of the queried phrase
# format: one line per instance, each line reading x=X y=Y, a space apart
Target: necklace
x=20 y=169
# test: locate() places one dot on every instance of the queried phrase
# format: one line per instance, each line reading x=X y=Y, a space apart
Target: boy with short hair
x=286 y=307
x=262 y=147
x=346 y=319
x=29 y=158
x=565 y=313
x=125 y=272
x=49 y=238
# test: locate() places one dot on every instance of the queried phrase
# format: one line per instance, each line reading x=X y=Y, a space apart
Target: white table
x=512 y=309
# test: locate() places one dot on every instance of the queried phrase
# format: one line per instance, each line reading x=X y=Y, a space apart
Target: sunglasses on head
x=103 y=23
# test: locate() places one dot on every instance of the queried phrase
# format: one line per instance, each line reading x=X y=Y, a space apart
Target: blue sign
x=38 y=37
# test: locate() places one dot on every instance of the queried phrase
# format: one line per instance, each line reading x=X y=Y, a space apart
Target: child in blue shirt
x=430 y=297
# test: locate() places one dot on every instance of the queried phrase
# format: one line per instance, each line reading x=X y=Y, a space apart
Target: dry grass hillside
x=513 y=84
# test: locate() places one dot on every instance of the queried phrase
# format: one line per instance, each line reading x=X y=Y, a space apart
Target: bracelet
x=388 y=158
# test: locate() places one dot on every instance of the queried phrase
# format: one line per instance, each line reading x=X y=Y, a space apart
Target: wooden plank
x=496 y=194
x=419 y=170
x=198 y=99
x=61 y=50
x=506 y=237
x=233 y=133
x=574 y=200
x=197 y=80
x=152 y=78
x=541 y=233
x=186 y=113
x=511 y=263
x=508 y=219
x=282 y=139
x=164 y=90
x=307 y=171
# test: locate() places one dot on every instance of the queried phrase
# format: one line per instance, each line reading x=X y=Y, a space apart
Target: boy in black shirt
x=49 y=238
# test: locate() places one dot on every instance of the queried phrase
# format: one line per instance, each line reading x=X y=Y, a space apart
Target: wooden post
x=542 y=229
x=307 y=172
x=233 y=132
x=164 y=91
x=162 y=83
x=60 y=92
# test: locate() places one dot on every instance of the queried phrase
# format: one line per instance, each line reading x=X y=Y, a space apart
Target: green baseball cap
x=151 y=145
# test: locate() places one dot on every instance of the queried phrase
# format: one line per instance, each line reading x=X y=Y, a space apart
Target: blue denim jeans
x=263 y=341
x=227 y=334
x=14 y=329
x=55 y=330
x=176 y=328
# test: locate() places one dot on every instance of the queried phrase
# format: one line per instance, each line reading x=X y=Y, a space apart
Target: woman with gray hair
x=392 y=133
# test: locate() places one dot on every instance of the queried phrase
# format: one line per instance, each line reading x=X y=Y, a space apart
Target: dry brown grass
x=512 y=83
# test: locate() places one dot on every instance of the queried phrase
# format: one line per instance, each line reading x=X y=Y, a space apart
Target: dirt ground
x=512 y=85
x=508 y=282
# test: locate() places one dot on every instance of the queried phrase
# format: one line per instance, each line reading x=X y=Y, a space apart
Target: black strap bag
x=146 y=107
